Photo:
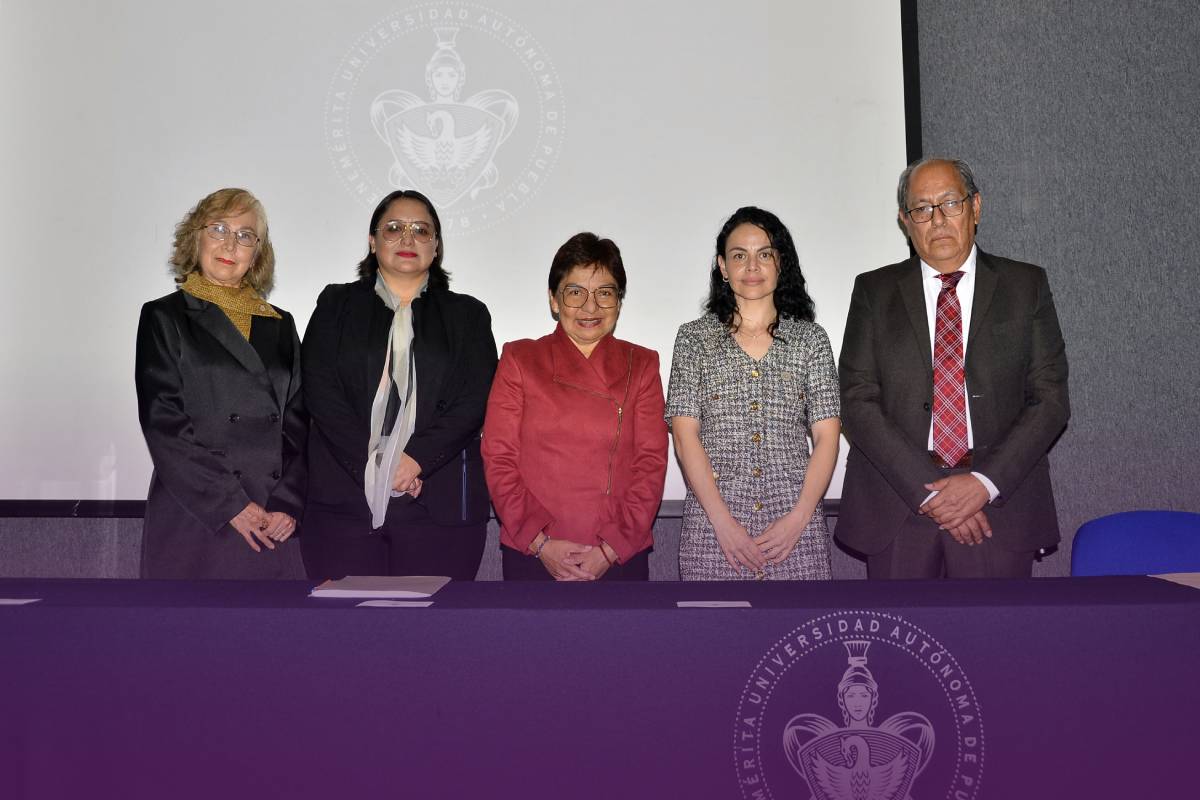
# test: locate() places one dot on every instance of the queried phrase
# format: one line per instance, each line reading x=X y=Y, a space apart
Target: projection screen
x=648 y=122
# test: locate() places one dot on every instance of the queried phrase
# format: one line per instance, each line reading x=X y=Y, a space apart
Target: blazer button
x=234 y=417
x=275 y=475
x=756 y=472
x=756 y=438
x=274 y=417
x=926 y=406
x=237 y=473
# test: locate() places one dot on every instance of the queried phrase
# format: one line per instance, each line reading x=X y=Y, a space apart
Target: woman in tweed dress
x=751 y=382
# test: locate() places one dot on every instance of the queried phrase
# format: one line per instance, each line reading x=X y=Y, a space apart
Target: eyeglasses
x=394 y=229
x=576 y=296
x=220 y=231
x=950 y=208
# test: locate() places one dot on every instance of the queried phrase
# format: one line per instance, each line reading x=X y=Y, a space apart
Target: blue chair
x=1137 y=543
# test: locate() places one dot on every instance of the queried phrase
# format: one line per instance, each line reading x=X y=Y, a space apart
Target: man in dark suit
x=954 y=387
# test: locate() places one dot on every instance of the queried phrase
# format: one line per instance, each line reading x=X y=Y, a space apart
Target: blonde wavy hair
x=185 y=257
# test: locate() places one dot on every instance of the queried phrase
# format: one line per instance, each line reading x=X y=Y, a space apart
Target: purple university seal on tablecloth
x=858 y=706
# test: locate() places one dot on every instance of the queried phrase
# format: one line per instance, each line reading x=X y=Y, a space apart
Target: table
x=1053 y=687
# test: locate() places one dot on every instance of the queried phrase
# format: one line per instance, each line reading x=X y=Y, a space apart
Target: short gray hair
x=962 y=167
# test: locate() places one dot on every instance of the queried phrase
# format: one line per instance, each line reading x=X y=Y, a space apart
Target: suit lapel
x=432 y=353
x=571 y=367
x=212 y=319
x=605 y=373
x=613 y=363
x=280 y=368
x=913 y=295
x=985 y=287
x=377 y=321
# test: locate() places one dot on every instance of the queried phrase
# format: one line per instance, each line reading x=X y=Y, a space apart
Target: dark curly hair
x=791 y=297
x=438 y=277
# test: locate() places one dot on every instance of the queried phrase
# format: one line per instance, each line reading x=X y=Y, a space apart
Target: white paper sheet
x=389 y=586
x=395 y=604
x=713 y=604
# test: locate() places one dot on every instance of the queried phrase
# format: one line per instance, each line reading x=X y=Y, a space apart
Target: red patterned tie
x=949 y=396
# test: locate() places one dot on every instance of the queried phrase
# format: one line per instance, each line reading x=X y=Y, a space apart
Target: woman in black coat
x=397 y=370
x=218 y=387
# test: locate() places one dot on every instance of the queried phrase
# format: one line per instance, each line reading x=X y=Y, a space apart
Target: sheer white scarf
x=399 y=369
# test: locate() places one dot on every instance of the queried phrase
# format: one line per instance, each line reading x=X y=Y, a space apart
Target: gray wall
x=1081 y=121
x=110 y=548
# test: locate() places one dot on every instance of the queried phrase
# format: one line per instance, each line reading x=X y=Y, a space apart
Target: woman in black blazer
x=218 y=387
x=397 y=370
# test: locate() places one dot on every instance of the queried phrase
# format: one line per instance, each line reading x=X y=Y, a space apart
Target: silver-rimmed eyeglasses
x=576 y=296
x=950 y=208
x=220 y=231
x=394 y=229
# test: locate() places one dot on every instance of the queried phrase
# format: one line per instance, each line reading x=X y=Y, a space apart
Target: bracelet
x=603 y=552
x=538 y=552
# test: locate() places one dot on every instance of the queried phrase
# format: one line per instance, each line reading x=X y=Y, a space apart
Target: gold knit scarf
x=239 y=304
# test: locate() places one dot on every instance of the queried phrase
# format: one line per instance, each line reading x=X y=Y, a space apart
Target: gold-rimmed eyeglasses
x=220 y=231
x=394 y=229
x=576 y=296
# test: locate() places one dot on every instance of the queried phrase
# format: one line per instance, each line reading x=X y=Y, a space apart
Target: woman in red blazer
x=574 y=443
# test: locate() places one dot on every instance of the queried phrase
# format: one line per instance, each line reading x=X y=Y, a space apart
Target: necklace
x=750 y=337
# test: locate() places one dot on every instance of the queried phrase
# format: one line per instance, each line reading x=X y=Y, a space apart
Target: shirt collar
x=968 y=266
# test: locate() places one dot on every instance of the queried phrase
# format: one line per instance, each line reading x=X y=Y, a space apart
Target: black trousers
x=335 y=544
x=522 y=567
x=920 y=550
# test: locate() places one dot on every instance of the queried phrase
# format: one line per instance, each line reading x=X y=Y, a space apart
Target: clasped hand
x=781 y=536
x=957 y=508
x=406 y=478
x=256 y=524
x=566 y=560
x=773 y=546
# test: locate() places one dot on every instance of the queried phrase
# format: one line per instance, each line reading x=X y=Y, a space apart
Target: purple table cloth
x=1080 y=688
